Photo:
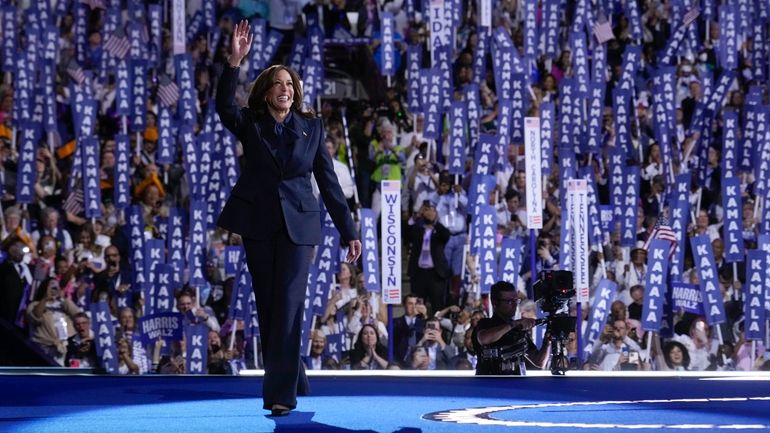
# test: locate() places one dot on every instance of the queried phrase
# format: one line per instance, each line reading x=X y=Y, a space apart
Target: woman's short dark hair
x=667 y=353
x=265 y=81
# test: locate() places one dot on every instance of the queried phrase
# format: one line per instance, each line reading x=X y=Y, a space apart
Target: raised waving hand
x=241 y=43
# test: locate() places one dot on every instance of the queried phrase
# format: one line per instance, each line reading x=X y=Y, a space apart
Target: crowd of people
x=57 y=262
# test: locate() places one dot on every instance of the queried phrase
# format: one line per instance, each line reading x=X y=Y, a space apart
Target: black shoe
x=279 y=412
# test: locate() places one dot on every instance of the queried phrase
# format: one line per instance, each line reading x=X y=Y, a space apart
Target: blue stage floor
x=541 y=404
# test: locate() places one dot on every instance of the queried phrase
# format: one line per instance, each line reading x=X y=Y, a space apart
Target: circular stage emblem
x=484 y=415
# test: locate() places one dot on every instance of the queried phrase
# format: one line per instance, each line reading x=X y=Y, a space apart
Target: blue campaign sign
x=621 y=108
x=680 y=215
x=479 y=55
x=510 y=260
x=530 y=29
x=551 y=27
x=251 y=318
x=122 y=174
x=763 y=243
x=594 y=122
x=487 y=258
x=198 y=241
x=135 y=227
x=755 y=119
x=167 y=326
x=175 y=239
x=191 y=160
x=481 y=188
x=457 y=140
x=577 y=42
x=432 y=104
x=600 y=311
x=104 y=335
x=387 y=23
x=298 y=53
x=713 y=304
x=754 y=303
x=241 y=288
x=687 y=298
x=188 y=94
x=594 y=219
x=504 y=128
x=546 y=136
x=139 y=76
x=233 y=256
x=197 y=339
x=163 y=300
x=520 y=105
x=567 y=94
x=413 y=63
x=629 y=209
x=231 y=168
x=655 y=284
x=26 y=172
x=326 y=256
x=123 y=89
x=727 y=49
x=154 y=254
x=166 y=152
x=733 y=220
x=471 y=92
x=370 y=251
x=729 y=144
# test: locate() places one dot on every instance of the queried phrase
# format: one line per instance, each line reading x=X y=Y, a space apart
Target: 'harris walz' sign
x=167 y=326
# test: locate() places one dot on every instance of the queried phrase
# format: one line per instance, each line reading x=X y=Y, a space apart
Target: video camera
x=553 y=292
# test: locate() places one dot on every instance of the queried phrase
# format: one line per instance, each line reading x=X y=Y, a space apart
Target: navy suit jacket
x=269 y=194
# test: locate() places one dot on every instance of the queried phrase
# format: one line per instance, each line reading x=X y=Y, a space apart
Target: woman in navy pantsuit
x=272 y=206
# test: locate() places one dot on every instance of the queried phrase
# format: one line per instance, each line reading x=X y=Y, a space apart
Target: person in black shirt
x=635 y=308
x=504 y=345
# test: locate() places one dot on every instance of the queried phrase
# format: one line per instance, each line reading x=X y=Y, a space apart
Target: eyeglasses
x=508 y=301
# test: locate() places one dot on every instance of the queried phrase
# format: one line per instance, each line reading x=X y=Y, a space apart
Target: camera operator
x=503 y=345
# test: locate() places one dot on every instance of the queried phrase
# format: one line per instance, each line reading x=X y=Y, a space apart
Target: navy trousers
x=279 y=270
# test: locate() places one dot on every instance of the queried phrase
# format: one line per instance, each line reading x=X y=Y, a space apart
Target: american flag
x=76 y=72
x=603 y=31
x=691 y=15
x=664 y=232
x=74 y=202
x=117 y=44
x=168 y=91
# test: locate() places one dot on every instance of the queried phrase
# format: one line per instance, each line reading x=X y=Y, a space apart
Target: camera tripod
x=559 y=360
x=559 y=328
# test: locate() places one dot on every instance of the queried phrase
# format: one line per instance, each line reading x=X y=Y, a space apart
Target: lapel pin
x=304 y=133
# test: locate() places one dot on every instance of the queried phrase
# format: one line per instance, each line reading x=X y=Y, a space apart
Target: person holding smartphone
x=619 y=352
x=408 y=329
x=428 y=267
x=439 y=353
